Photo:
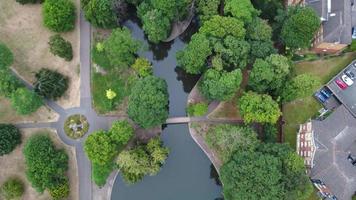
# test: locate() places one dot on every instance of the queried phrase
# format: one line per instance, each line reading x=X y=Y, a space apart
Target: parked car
x=341 y=84
x=320 y=97
x=347 y=80
x=353 y=31
x=350 y=74
x=326 y=93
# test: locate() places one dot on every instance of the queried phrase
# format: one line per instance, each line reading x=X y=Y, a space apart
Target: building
x=305 y=144
x=336 y=17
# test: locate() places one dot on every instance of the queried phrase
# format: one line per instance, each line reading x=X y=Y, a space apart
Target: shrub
x=100 y=13
x=25 y=102
x=45 y=165
x=60 y=191
x=60 y=47
x=6 y=56
x=198 y=109
x=59 y=15
x=50 y=84
x=8 y=83
x=13 y=188
x=142 y=67
x=121 y=132
x=99 y=148
x=100 y=173
x=29 y=1
x=10 y=137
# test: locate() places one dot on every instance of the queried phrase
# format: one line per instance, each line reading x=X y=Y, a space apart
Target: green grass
x=299 y=111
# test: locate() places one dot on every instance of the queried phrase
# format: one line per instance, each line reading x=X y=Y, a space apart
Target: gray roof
x=335 y=138
x=337 y=24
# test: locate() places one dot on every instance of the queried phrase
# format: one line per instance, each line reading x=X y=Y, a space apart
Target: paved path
x=183 y=120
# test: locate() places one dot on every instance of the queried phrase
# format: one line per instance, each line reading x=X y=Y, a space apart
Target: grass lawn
x=299 y=111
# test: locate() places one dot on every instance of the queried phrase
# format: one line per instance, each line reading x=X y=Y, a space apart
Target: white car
x=347 y=80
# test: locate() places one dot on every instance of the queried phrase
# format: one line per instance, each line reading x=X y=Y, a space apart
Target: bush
x=8 y=83
x=59 y=15
x=99 y=148
x=198 y=109
x=10 y=137
x=100 y=13
x=142 y=67
x=77 y=120
x=60 y=47
x=50 y=84
x=29 y=1
x=13 y=188
x=46 y=166
x=100 y=173
x=60 y=191
x=6 y=56
x=25 y=101
x=121 y=132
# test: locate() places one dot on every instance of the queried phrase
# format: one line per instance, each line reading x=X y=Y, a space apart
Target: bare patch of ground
x=8 y=114
x=21 y=28
x=13 y=164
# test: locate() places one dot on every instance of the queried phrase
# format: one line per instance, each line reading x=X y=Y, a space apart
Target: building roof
x=305 y=143
x=336 y=17
x=335 y=139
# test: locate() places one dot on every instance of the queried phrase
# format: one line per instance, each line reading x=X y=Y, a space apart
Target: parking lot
x=345 y=93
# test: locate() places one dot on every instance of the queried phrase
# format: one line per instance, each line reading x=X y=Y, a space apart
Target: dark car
x=350 y=74
x=320 y=97
x=326 y=93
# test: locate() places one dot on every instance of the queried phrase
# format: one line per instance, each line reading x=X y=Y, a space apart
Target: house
x=305 y=144
x=337 y=19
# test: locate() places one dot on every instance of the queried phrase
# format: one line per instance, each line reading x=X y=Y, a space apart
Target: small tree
x=101 y=172
x=50 y=84
x=100 y=13
x=6 y=57
x=13 y=188
x=59 y=15
x=121 y=132
x=198 y=109
x=258 y=108
x=60 y=191
x=8 y=83
x=60 y=47
x=10 y=137
x=25 y=102
x=99 y=148
x=156 y=25
x=299 y=87
x=143 y=67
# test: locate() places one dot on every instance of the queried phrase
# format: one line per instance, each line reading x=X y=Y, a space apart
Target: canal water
x=188 y=173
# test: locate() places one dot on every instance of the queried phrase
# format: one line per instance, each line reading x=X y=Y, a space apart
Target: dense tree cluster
x=46 y=166
x=148 y=102
x=207 y=8
x=50 y=84
x=12 y=188
x=258 y=108
x=60 y=47
x=10 y=137
x=241 y=9
x=142 y=160
x=59 y=15
x=25 y=101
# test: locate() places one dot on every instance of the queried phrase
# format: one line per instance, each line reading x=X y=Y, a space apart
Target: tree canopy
x=59 y=15
x=207 y=8
x=10 y=137
x=12 y=188
x=50 y=84
x=121 y=132
x=25 y=101
x=46 y=166
x=148 y=102
x=60 y=47
x=6 y=57
x=8 y=83
x=220 y=27
x=100 y=148
x=299 y=28
x=258 y=108
x=156 y=25
x=220 y=85
x=142 y=67
x=241 y=9
x=300 y=86
x=100 y=13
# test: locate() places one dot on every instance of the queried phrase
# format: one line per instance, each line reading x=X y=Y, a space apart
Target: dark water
x=187 y=174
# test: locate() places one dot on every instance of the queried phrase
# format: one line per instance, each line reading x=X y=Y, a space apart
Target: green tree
x=261 y=49
x=8 y=83
x=156 y=25
x=270 y=133
x=198 y=109
x=99 y=148
x=241 y=9
x=252 y=175
x=220 y=27
x=46 y=166
x=100 y=173
x=258 y=108
x=259 y=30
x=268 y=8
x=220 y=85
x=142 y=67
x=270 y=74
x=10 y=137
x=100 y=13
x=121 y=48
x=121 y=132
x=60 y=47
x=193 y=58
x=207 y=8
x=148 y=102
x=25 y=102
x=299 y=87
x=226 y=139
x=299 y=28
x=12 y=189
x=59 y=15
x=29 y=1
x=60 y=191
x=6 y=57
x=50 y=84
x=142 y=160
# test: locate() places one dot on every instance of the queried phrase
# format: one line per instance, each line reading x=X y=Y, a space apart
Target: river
x=188 y=174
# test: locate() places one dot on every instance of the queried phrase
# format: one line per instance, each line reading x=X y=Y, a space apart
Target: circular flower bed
x=76 y=126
